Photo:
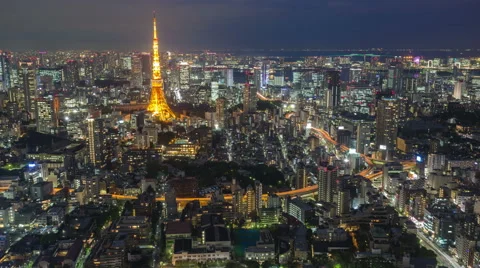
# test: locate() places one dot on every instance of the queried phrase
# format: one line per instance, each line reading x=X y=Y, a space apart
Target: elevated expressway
x=309 y=190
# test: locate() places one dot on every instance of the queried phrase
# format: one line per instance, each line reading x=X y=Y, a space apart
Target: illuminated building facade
x=181 y=148
x=184 y=75
x=4 y=71
x=137 y=77
x=326 y=183
x=249 y=99
x=28 y=82
x=43 y=115
x=158 y=104
x=221 y=104
x=387 y=115
x=333 y=89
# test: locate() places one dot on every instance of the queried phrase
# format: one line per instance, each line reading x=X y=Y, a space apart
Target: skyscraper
x=72 y=74
x=229 y=77
x=184 y=75
x=43 y=115
x=387 y=116
x=237 y=200
x=136 y=74
x=343 y=201
x=333 y=89
x=250 y=200
x=27 y=76
x=95 y=139
x=91 y=139
x=301 y=178
x=459 y=89
x=249 y=99
x=220 y=111
x=326 y=183
x=158 y=104
x=258 y=197
x=409 y=83
x=4 y=71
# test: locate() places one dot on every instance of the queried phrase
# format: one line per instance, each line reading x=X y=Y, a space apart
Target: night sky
x=238 y=24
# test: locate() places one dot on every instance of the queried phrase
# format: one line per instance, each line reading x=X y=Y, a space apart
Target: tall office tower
x=394 y=77
x=250 y=200
x=333 y=89
x=387 y=124
x=265 y=71
x=184 y=75
x=136 y=74
x=91 y=139
x=56 y=111
x=229 y=77
x=258 y=197
x=257 y=73
x=95 y=129
x=4 y=71
x=146 y=65
x=343 y=201
x=326 y=183
x=364 y=134
x=344 y=137
x=249 y=99
x=158 y=104
x=27 y=79
x=459 y=90
x=221 y=106
x=237 y=202
x=409 y=83
x=90 y=70
x=43 y=115
x=301 y=177
x=72 y=74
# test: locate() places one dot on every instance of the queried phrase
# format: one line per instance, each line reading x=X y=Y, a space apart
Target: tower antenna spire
x=158 y=104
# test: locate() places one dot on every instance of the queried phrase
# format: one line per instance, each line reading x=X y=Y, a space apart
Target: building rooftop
x=178 y=227
x=182 y=245
x=216 y=233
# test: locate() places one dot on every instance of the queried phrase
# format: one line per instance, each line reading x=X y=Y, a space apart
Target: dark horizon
x=234 y=24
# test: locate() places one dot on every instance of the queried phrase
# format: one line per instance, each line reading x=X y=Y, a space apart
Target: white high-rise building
x=229 y=77
x=459 y=89
x=184 y=79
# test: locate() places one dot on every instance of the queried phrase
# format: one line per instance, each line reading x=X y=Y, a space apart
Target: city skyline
x=213 y=24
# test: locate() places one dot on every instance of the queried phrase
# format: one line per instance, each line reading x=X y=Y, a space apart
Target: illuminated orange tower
x=56 y=110
x=158 y=104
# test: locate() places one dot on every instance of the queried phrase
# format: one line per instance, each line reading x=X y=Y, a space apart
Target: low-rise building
x=184 y=251
x=40 y=190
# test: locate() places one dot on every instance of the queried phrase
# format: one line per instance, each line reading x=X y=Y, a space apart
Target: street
x=446 y=259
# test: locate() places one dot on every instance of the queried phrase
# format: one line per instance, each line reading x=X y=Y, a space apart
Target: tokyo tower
x=158 y=104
